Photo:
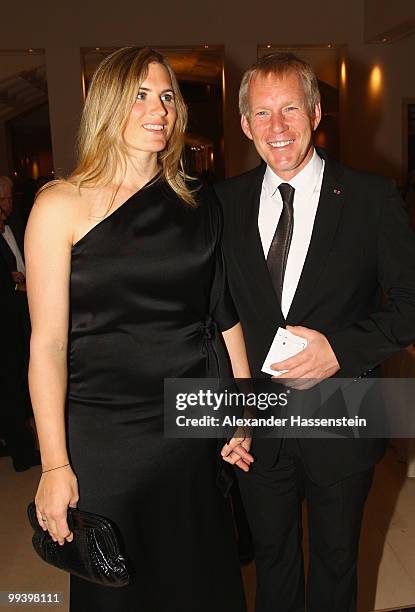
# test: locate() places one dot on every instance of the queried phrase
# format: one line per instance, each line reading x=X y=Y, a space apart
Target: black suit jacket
x=361 y=243
x=13 y=304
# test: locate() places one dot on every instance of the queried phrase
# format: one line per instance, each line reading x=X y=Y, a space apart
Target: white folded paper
x=284 y=345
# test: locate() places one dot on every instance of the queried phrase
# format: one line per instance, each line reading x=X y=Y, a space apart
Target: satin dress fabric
x=148 y=296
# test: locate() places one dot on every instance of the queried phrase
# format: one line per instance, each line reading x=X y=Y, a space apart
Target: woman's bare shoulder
x=55 y=212
x=61 y=195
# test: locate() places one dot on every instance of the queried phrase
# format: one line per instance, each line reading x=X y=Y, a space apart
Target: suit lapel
x=18 y=233
x=7 y=254
x=251 y=254
x=330 y=206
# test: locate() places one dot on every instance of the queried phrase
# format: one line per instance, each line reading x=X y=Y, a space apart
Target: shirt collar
x=306 y=178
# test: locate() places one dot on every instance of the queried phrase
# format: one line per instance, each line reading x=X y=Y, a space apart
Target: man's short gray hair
x=279 y=64
x=5 y=182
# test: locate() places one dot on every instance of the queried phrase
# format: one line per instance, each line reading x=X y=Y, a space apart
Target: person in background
x=15 y=409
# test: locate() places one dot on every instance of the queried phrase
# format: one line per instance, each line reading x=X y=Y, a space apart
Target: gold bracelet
x=56 y=468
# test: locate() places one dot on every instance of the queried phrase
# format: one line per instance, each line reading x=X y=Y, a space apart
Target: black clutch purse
x=94 y=553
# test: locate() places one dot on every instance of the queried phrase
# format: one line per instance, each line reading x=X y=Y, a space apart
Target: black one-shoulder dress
x=141 y=311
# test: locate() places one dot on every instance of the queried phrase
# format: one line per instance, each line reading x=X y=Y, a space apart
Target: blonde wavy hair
x=102 y=151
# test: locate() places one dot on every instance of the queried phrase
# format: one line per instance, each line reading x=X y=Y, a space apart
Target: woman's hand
x=236 y=451
x=57 y=490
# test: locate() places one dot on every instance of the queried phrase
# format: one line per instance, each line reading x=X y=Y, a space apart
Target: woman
x=124 y=254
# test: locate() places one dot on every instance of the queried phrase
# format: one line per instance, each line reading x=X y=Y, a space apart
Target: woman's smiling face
x=153 y=115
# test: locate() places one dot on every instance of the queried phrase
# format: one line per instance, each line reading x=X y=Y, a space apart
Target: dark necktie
x=280 y=245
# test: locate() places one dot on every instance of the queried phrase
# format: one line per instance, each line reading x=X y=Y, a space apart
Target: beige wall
x=372 y=142
x=384 y=15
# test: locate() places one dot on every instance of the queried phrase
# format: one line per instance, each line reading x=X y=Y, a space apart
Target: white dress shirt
x=307 y=185
x=11 y=241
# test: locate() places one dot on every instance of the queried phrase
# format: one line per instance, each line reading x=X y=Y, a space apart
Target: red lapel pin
x=337 y=191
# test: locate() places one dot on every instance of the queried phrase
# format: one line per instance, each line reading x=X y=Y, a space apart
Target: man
x=14 y=339
x=11 y=242
x=308 y=245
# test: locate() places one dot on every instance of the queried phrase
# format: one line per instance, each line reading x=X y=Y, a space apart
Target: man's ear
x=317 y=116
x=245 y=127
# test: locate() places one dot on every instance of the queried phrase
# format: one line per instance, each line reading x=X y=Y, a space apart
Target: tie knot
x=287 y=193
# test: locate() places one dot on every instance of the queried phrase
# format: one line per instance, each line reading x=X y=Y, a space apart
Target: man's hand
x=19 y=280
x=18 y=277
x=236 y=451
x=315 y=363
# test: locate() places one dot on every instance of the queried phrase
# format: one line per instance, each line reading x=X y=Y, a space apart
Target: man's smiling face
x=279 y=122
